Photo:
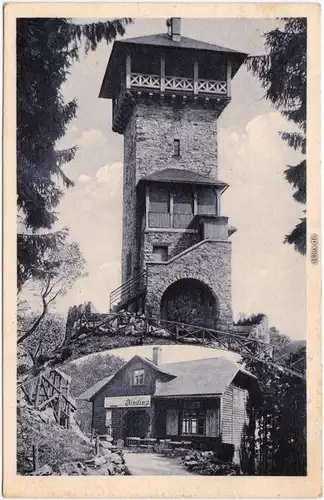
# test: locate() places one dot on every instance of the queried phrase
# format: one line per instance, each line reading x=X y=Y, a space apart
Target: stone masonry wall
x=148 y=147
x=210 y=263
x=129 y=197
x=176 y=242
x=156 y=128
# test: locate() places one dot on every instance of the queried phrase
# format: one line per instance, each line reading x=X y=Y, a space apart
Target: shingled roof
x=175 y=175
x=164 y=40
x=94 y=389
x=210 y=376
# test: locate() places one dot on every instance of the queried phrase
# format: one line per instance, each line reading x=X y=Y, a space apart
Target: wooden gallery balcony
x=178 y=84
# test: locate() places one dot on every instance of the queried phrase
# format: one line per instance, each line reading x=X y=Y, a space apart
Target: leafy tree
x=276 y=445
x=46 y=49
x=85 y=373
x=54 y=277
x=48 y=336
x=283 y=74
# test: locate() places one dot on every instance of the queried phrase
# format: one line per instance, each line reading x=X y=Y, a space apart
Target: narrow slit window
x=176 y=147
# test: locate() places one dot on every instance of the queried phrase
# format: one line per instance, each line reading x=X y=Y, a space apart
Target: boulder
x=47 y=415
x=106 y=444
x=115 y=458
x=100 y=461
x=109 y=467
x=120 y=444
x=46 y=470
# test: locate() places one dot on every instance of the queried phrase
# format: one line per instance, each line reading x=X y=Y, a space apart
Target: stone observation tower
x=168 y=92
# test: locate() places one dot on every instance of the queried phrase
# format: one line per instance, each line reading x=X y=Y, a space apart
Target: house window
x=193 y=422
x=138 y=377
x=176 y=147
x=160 y=253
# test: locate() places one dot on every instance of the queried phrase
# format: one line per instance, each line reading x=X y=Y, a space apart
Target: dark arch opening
x=190 y=301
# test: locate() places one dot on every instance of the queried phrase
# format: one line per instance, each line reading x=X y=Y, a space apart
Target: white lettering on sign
x=128 y=402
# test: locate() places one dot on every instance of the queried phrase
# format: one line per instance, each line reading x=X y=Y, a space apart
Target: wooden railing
x=141 y=326
x=163 y=220
x=128 y=290
x=159 y=220
x=179 y=83
x=50 y=389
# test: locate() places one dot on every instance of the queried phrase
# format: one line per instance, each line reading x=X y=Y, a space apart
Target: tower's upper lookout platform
x=170 y=66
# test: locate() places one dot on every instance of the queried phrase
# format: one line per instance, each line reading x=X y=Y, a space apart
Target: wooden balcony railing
x=177 y=83
x=160 y=220
x=182 y=221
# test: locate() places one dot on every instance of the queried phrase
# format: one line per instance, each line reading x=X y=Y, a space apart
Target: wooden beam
x=195 y=202
x=162 y=74
x=229 y=78
x=128 y=70
x=147 y=206
x=196 y=69
x=171 y=208
x=218 y=203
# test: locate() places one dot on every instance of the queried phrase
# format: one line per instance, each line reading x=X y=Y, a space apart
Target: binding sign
x=128 y=402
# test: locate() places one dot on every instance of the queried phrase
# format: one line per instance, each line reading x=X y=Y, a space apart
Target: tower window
x=160 y=253
x=176 y=147
x=159 y=199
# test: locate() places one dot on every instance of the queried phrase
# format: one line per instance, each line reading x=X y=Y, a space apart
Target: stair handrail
x=128 y=282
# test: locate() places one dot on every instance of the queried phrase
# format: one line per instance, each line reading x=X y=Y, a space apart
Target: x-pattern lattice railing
x=178 y=83
x=212 y=87
x=130 y=324
x=140 y=80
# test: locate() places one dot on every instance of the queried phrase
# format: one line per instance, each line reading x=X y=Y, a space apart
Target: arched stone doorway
x=190 y=301
x=136 y=423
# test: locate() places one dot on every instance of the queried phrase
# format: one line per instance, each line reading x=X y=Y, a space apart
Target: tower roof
x=177 y=175
x=164 y=40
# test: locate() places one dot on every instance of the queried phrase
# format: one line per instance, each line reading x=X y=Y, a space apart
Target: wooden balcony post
x=218 y=203
x=147 y=206
x=229 y=78
x=171 y=209
x=162 y=74
x=195 y=207
x=128 y=70
x=195 y=76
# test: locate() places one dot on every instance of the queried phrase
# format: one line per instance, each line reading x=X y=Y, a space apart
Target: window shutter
x=212 y=422
x=172 y=422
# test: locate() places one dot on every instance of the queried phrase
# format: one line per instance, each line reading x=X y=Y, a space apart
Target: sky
x=267 y=276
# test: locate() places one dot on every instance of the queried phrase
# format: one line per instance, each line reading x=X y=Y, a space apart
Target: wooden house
x=203 y=401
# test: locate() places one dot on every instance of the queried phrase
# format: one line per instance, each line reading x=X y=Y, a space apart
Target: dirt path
x=154 y=464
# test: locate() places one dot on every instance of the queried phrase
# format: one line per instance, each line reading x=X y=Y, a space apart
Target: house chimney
x=174 y=28
x=156 y=355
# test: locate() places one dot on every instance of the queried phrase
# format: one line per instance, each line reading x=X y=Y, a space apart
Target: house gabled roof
x=93 y=390
x=89 y=393
x=210 y=376
x=175 y=175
